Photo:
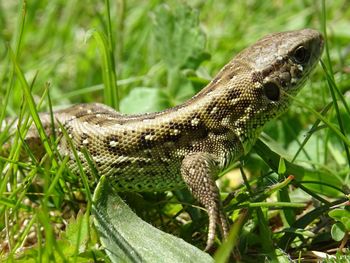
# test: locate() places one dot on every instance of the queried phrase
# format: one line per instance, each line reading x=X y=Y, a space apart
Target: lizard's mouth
x=316 y=46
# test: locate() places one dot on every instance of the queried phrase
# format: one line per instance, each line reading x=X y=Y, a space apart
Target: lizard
x=189 y=144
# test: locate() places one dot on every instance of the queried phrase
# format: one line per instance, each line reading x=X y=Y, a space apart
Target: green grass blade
x=332 y=87
x=108 y=70
x=79 y=164
x=18 y=42
x=32 y=108
x=223 y=253
x=322 y=118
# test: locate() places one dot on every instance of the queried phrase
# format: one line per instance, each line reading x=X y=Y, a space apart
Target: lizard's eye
x=272 y=91
x=301 y=55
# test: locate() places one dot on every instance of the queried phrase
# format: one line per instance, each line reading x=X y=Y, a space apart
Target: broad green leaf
x=338 y=213
x=342 y=216
x=127 y=238
x=338 y=231
x=77 y=232
x=346 y=222
x=181 y=42
x=141 y=100
x=180 y=45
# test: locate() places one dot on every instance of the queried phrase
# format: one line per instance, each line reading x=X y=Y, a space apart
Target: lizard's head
x=281 y=63
x=263 y=77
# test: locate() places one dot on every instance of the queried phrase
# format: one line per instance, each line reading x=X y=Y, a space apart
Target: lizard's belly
x=145 y=175
x=136 y=174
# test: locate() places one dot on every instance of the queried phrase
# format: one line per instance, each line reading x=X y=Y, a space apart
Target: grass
x=149 y=55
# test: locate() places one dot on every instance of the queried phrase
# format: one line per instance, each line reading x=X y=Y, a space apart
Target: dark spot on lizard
x=220 y=131
x=233 y=94
x=210 y=107
x=121 y=165
x=142 y=162
x=231 y=74
x=257 y=76
x=267 y=71
x=112 y=142
x=297 y=72
x=167 y=153
x=99 y=163
x=215 y=80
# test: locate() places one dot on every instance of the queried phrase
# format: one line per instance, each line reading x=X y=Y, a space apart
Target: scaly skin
x=190 y=144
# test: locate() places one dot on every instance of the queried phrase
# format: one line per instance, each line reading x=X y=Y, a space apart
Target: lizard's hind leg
x=198 y=171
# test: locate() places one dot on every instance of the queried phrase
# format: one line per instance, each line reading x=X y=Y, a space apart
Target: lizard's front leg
x=199 y=171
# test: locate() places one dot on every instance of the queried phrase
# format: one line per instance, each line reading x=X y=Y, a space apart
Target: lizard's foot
x=198 y=171
x=216 y=217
